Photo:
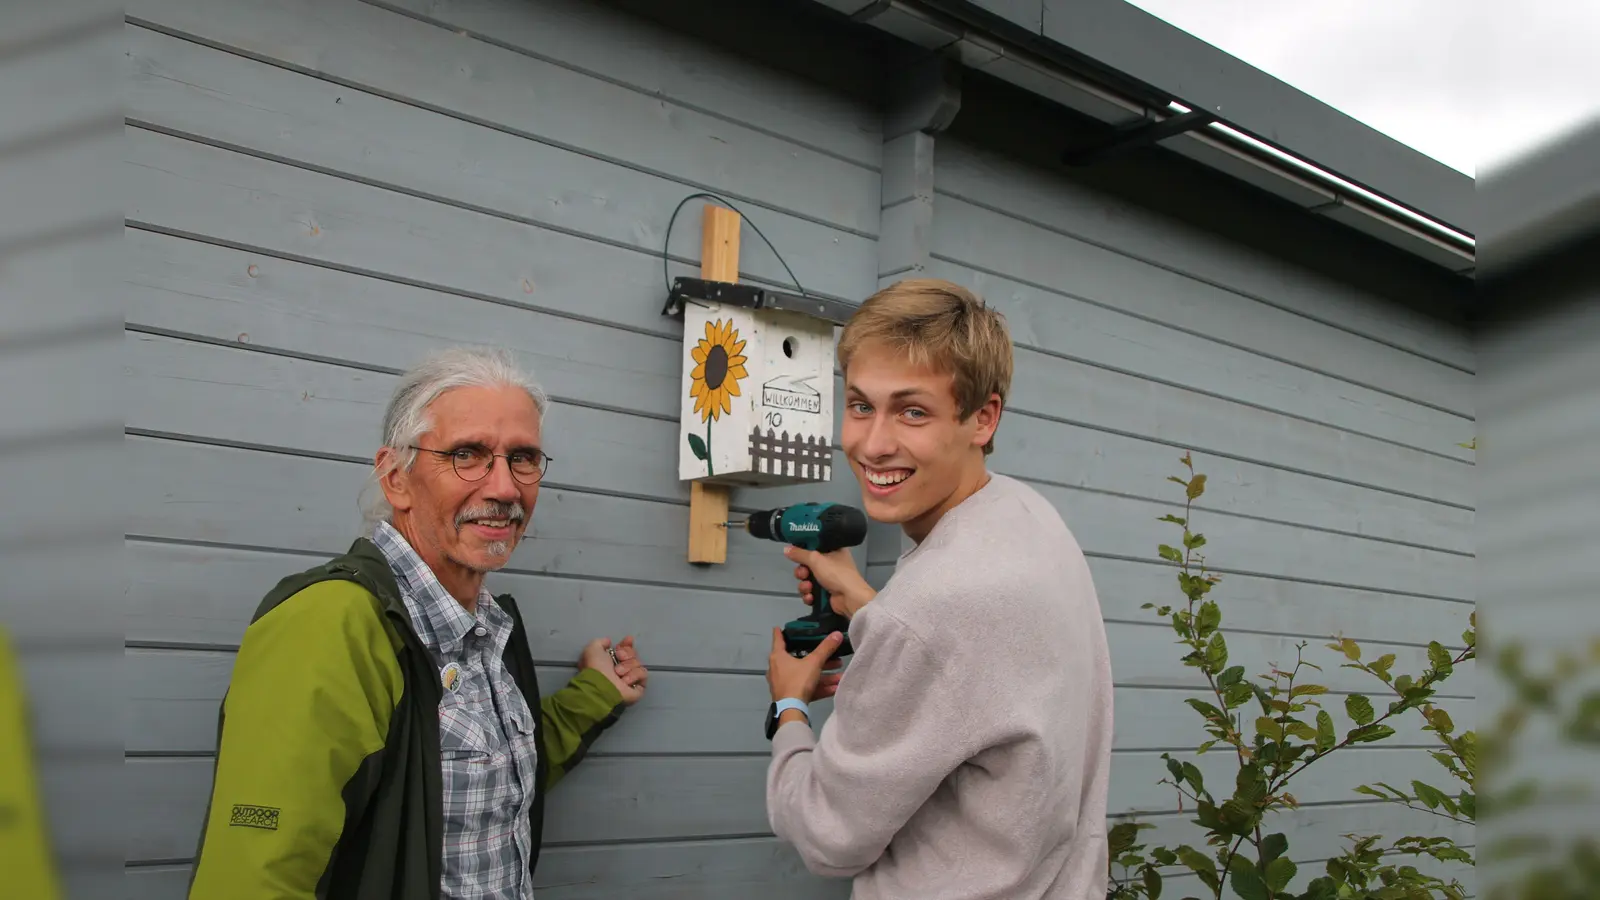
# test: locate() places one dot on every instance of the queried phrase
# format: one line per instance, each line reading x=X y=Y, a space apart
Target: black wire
x=666 y=243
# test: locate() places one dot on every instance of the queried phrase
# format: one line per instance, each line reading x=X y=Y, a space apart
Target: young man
x=969 y=750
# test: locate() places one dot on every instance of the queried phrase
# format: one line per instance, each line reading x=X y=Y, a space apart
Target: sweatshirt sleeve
x=840 y=798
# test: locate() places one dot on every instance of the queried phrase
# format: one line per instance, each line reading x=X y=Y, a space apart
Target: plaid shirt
x=486 y=737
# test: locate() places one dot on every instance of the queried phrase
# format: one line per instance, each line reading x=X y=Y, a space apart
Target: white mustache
x=491 y=510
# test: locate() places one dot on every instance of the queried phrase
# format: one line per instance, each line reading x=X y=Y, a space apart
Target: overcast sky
x=1468 y=82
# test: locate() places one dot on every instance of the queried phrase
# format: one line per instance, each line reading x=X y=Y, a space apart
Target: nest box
x=757 y=388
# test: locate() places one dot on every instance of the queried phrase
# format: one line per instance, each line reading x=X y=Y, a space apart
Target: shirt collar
x=440 y=620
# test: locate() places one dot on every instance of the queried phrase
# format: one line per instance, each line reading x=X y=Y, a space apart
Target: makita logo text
x=805 y=526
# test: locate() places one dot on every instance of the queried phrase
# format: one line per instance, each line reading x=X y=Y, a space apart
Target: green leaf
x=1210 y=616
x=1269 y=727
x=1170 y=552
x=1237 y=694
x=1367 y=734
x=1177 y=520
x=1217 y=650
x=1431 y=796
x=1247 y=884
x=1439 y=657
x=1232 y=675
x=1302 y=731
x=1250 y=784
x=698 y=446
x=1274 y=846
x=1381 y=665
x=1197 y=486
x=1152 y=884
x=1204 y=747
x=1174 y=767
x=1194 y=540
x=1192 y=775
x=1236 y=818
x=1350 y=648
x=1164 y=856
x=1441 y=722
x=1372 y=792
x=1307 y=690
x=1326 y=738
x=1359 y=708
x=1201 y=864
x=1206 y=709
x=1280 y=872
x=1122 y=837
x=1468 y=803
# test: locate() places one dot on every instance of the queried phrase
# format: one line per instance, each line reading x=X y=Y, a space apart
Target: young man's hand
x=847 y=590
x=810 y=678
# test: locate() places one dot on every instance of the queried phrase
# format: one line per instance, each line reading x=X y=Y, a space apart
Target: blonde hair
x=942 y=325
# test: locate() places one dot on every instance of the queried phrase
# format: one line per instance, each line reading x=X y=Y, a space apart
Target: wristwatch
x=777 y=709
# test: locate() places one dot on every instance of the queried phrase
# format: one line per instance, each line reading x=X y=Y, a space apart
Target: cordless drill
x=823 y=527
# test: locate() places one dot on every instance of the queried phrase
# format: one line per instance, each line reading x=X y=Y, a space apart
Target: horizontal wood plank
x=234 y=101
x=194 y=389
x=1078 y=208
x=690 y=70
x=232 y=296
x=1272 y=605
x=1104 y=336
x=1084 y=457
x=172 y=699
x=205 y=595
x=680 y=797
x=379 y=51
x=736 y=869
x=193 y=492
x=194 y=189
x=1081 y=394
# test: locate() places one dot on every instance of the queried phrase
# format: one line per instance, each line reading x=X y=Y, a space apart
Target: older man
x=383 y=735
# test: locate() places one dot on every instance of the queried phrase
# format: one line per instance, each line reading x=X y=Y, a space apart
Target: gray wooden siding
x=319 y=191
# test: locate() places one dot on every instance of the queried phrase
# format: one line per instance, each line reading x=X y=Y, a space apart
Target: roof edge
x=1134 y=108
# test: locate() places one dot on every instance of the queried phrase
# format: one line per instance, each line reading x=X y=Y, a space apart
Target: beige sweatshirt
x=969 y=750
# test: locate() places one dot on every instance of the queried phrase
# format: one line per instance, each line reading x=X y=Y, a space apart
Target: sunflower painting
x=719 y=365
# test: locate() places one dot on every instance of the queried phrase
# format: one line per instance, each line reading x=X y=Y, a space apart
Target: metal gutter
x=1216 y=144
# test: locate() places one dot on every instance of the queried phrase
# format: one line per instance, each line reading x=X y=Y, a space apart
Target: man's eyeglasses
x=473 y=463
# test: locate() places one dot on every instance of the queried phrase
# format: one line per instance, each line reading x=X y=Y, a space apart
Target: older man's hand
x=621 y=666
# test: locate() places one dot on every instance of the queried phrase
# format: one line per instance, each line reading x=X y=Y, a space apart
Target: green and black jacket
x=327 y=781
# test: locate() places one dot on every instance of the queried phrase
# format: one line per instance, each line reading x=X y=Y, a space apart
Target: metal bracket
x=751 y=297
x=1140 y=134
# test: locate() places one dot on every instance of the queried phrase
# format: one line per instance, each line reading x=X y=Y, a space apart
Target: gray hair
x=407 y=418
